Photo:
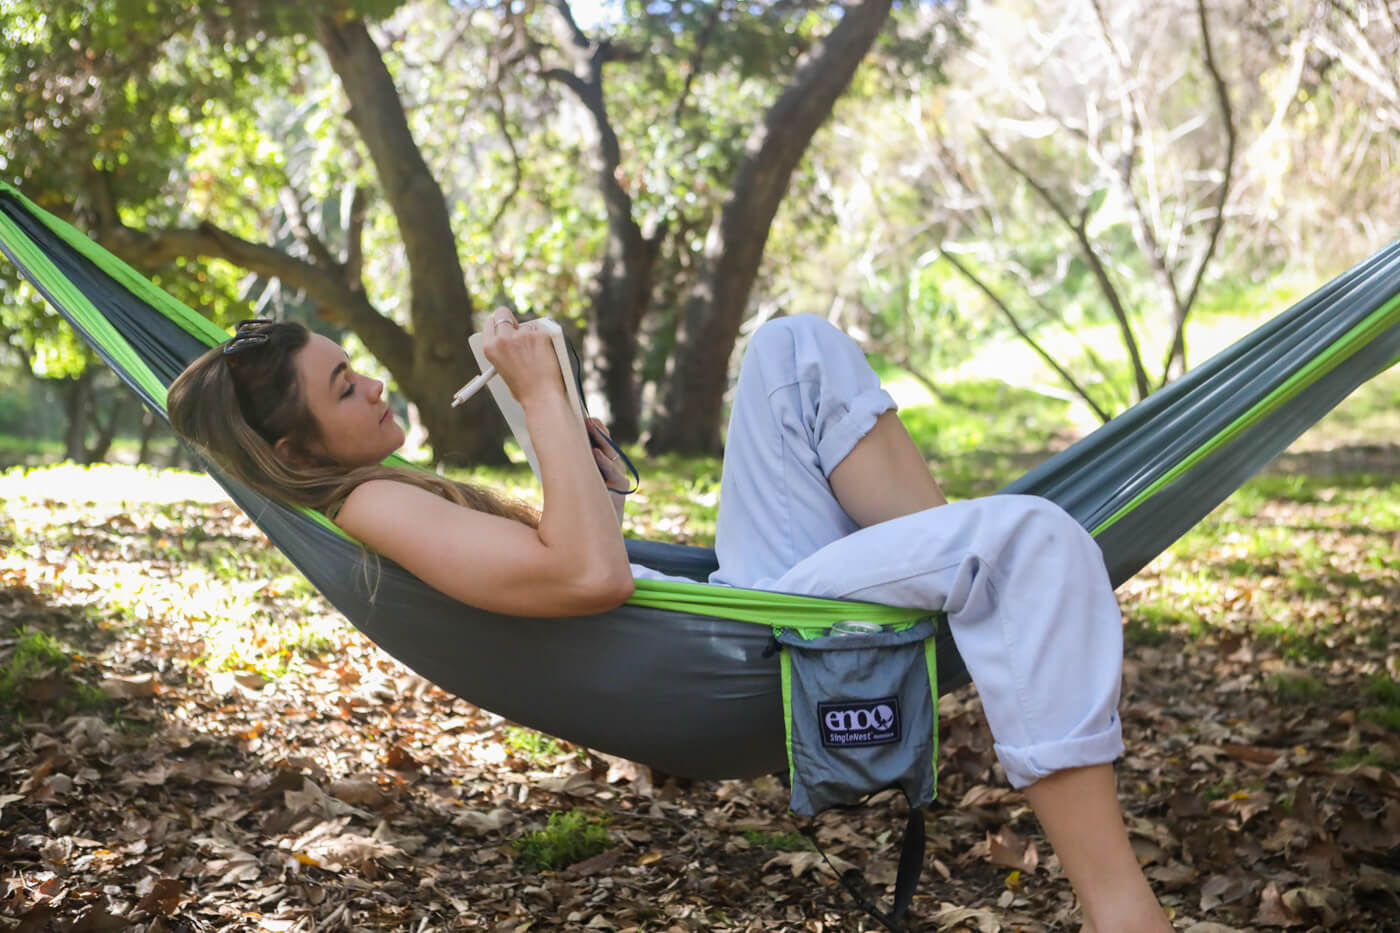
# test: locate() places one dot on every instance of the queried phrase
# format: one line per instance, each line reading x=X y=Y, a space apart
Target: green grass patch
x=1384 y=689
x=31 y=681
x=533 y=746
x=1387 y=716
x=1139 y=631
x=1366 y=757
x=983 y=414
x=1386 y=694
x=570 y=836
x=782 y=842
x=1294 y=640
x=36 y=655
x=1296 y=688
x=1150 y=621
x=263 y=644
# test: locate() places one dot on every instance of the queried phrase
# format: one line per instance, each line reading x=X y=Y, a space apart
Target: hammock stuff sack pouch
x=680 y=677
x=860 y=709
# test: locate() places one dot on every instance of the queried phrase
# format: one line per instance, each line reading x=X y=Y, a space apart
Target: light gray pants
x=1024 y=585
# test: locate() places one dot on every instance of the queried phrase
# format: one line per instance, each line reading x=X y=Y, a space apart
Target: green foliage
x=36 y=654
x=531 y=745
x=570 y=836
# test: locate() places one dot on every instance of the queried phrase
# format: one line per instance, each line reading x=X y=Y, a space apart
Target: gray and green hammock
x=679 y=677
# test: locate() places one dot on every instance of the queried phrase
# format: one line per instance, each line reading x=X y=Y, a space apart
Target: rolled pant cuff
x=1030 y=763
x=840 y=437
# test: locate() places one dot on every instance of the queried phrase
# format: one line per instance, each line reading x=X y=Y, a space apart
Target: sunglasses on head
x=246 y=335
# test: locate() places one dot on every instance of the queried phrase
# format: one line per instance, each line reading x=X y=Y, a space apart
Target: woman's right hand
x=523 y=356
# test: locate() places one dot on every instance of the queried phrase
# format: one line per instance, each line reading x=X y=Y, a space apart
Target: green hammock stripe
x=81 y=308
x=804 y=613
x=191 y=321
x=1376 y=323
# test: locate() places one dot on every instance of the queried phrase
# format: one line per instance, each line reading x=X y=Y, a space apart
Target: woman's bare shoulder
x=376 y=501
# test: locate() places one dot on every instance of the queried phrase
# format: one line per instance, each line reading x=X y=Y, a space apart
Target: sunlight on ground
x=108 y=483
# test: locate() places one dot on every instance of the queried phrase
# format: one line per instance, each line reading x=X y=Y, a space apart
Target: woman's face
x=357 y=428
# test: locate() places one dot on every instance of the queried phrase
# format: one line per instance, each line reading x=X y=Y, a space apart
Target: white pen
x=473 y=387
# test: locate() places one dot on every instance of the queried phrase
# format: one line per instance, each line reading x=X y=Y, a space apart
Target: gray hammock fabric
x=678 y=678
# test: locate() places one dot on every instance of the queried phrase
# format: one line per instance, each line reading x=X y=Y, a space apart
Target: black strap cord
x=576 y=365
x=911 y=865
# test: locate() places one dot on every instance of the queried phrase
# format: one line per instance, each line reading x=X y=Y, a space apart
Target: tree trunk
x=148 y=433
x=440 y=309
x=622 y=290
x=77 y=399
x=624 y=295
x=689 y=420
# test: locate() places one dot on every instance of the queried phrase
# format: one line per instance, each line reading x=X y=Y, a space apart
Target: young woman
x=823 y=492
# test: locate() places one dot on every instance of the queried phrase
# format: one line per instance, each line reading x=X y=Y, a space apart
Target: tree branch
x=702 y=43
x=1091 y=257
x=1144 y=230
x=576 y=34
x=1222 y=96
x=355 y=239
x=518 y=171
x=301 y=229
x=1025 y=335
x=326 y=287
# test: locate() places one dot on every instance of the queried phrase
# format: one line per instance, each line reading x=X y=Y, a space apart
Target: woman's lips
x=387 y=413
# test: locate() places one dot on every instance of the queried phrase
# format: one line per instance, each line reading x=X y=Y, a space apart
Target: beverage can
x=854 y=627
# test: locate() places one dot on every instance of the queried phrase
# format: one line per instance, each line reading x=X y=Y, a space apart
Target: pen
x=473 y=387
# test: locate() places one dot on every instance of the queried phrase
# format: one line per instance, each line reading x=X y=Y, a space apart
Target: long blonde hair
x=234 y=407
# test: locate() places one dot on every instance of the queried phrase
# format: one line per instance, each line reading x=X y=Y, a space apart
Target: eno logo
x=847 y=720
x=846 y=723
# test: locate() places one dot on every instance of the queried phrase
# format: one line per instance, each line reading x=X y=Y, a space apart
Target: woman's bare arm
x=574 y=563
x=486 y=561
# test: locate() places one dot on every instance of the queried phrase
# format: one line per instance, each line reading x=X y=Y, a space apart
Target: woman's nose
x=376 y=389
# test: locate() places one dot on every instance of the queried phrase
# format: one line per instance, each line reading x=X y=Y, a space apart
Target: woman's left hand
x=609 y=464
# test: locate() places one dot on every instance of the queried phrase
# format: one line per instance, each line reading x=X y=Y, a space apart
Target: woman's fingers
x=503 y=317
x=610 y=468
x=600 y=437
x=522 y=354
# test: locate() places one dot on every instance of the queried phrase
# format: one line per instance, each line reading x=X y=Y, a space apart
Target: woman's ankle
x=1137 y=915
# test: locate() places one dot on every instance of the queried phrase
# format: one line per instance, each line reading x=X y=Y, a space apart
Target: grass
x=569 y=836
x=1365 y=757
x=1296 y=688
x=532 y=746
x=32 y=679
x=781 y=842
x=1385 y=711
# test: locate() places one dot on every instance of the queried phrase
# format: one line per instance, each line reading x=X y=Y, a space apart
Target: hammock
x=678 y=677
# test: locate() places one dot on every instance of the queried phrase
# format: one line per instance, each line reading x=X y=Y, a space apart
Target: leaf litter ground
x=211 y=748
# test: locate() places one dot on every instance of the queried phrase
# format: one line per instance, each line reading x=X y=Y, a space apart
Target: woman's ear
x=289 y=454
x=294 y=455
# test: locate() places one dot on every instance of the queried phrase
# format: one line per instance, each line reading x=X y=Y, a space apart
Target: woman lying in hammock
x=823 y=493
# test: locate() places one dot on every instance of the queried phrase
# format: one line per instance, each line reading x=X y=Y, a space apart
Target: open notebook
x=505 y=400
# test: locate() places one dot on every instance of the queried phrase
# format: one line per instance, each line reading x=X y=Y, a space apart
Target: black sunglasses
x=246 y=335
